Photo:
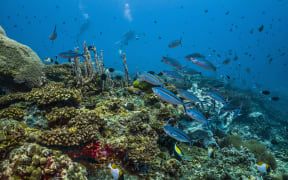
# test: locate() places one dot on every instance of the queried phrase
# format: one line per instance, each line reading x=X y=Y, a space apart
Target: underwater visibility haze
x=154 y=89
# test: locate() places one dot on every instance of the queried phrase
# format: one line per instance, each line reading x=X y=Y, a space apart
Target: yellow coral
x=72 y=130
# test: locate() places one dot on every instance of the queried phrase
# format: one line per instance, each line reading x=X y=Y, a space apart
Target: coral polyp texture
x=54 y=94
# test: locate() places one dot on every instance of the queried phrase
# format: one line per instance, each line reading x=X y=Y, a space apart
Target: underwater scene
x=134 y=89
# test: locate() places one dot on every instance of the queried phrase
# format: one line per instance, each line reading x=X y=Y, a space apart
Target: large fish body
x=172 y=62
x=202 y=62
x=69 y=54
x=54 y=34
x=177 y=134
x=150 y=78
x=189 y=96
x=195 y=114
x=168 y=96
x=189 y=72
x=198 y=116
x=173 y=75
x=216 y=96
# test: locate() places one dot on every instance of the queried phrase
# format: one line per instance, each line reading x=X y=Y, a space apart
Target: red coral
x=97 y=152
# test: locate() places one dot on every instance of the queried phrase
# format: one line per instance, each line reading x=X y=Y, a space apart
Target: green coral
x=142 y=85
x=12 y=113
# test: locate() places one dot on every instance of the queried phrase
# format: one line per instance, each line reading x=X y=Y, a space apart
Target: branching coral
x=54 y=93
x=60 y=116
x=10 y=99
x=81 y=129
x=12 y=113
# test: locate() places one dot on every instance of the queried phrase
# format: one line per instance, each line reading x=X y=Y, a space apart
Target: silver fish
x=168 y=96
x=150 y=78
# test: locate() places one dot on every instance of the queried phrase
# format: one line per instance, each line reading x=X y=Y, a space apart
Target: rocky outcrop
x=20 y=66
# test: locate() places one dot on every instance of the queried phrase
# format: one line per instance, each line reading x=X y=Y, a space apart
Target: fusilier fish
x=189 y=96
x=216 y=96
x=175 y=43
x=69 y=54
x=173 y=75
x=190 y=72
x=168 y=96
x=54 y=34
x=172 y=62
x=202 y=62
x=177 y=134
x=150 y=78
x=198 y=116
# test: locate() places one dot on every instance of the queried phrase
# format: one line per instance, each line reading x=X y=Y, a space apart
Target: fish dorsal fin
x=260 y=163
x=114 y=166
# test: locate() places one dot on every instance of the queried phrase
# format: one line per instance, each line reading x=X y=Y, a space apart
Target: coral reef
x=61 y=116
x=54 y=94
x=81 y=129
x=19 y=65
x=8 y=99
x=32 y=161
x=12 y=113
x=59 y=72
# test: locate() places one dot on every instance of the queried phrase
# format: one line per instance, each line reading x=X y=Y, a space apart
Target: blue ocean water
x=203 y=26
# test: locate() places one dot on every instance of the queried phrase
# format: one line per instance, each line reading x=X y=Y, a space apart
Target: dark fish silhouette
x=54 y=35
x=175 y=43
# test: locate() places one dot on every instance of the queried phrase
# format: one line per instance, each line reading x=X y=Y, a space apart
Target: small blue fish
x=198 y=116
x=69 y=54
x=173 y=75
x=231 y=108
x=168 y=96
x=189 y=96
x=177 y=134
x=200 y=60
x=150 y=78
x=216 y=96
x=172 y=62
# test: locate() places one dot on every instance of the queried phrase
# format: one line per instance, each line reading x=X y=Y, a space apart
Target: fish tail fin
x=184 y=106
x=191 y=143
x=206 y=124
